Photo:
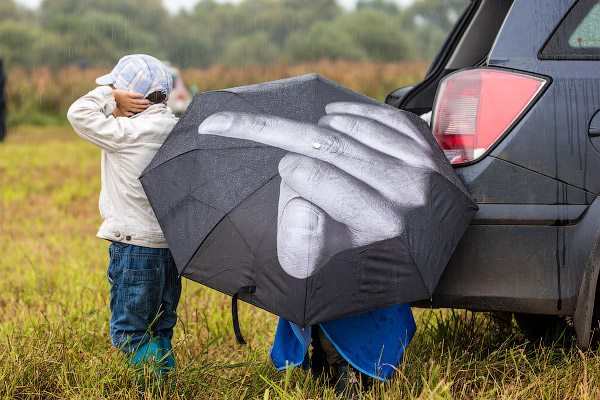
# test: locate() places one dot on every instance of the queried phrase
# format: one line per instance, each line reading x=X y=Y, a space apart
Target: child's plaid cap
x=139 y=73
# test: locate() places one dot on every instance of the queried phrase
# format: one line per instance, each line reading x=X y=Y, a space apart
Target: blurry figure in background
x=128 y=119
x=180 y=97
x=3 y=128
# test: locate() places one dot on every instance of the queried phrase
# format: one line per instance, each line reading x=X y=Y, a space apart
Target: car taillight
x=474 y=107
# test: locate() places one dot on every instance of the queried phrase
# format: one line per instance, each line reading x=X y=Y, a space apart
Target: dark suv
x=515 y=99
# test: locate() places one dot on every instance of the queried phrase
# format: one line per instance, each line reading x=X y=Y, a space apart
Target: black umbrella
x=310 y=222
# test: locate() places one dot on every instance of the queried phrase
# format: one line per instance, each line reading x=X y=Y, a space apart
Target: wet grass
x=54 y=315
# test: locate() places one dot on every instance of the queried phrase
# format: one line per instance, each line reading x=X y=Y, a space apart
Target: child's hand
x=129 y=103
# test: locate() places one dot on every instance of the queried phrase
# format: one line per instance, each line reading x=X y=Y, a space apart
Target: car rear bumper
x=526 y=258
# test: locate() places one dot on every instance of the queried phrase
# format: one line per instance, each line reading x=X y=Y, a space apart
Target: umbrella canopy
x=317 y=201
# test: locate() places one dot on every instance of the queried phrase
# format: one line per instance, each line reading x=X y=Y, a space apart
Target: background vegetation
x=42 y=96
x=98 y=33
x=53 y=54
x=54 y=313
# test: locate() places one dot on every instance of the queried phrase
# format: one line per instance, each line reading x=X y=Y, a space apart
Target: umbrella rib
x=258 y=146
x=238 y=96
x=243 y=239
x=264 y=233
x=189 y=196
x=416 y=265
x=161 y=220
x=205 y=280
x=191 y=192
x=226 y=213
x=217 y=178
x=465 y=194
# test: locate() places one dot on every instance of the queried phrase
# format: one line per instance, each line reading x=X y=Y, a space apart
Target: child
x=128 y=120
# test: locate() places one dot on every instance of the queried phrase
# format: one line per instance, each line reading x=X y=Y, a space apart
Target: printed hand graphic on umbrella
x=347 y=182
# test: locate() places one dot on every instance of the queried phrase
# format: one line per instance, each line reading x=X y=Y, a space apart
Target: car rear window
x=577 y=37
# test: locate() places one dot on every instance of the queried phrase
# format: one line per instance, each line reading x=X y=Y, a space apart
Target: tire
x=595 y=325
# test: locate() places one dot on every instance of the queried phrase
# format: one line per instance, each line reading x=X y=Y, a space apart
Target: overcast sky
x=175 y=5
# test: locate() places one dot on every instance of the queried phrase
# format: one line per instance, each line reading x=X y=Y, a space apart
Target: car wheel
x=543 y=328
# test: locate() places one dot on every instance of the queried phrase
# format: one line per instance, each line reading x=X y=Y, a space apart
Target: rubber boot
x=148 y=354
x=346 y=380
x=168 y=359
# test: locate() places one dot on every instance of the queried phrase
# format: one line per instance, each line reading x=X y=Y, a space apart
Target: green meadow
x=54 y=313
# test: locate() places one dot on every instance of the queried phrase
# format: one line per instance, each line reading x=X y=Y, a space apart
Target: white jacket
x=128 y=145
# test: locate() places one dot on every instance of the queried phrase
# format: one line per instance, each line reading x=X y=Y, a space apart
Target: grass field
x=54 y=313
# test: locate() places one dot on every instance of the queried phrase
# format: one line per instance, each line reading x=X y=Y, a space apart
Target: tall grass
x=375 y=80
x=42 y=96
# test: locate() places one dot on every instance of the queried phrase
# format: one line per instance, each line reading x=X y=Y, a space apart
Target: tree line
x=97 y=33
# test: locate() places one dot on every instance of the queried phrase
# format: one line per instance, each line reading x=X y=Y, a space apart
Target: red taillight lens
x=473 y=108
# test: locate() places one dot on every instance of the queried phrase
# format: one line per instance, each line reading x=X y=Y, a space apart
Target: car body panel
x=525 y=30
x=521 y=185
x=561 y=149
x=526 y=269
x=527 y=248
x=572 y=99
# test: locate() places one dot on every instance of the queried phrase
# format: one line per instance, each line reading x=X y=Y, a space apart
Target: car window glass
x=577 y=37
x=587 y=33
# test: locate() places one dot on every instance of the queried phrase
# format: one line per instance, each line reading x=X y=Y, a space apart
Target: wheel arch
x=584 y=311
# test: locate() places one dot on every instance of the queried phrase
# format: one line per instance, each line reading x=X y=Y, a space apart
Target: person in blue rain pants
x=351 y=350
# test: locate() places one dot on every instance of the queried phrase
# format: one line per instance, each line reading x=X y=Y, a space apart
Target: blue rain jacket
x=372 y=342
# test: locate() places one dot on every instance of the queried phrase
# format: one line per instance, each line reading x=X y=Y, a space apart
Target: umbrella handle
x=234 y=311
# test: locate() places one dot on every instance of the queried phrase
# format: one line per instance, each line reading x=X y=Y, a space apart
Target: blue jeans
x=143 y=282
